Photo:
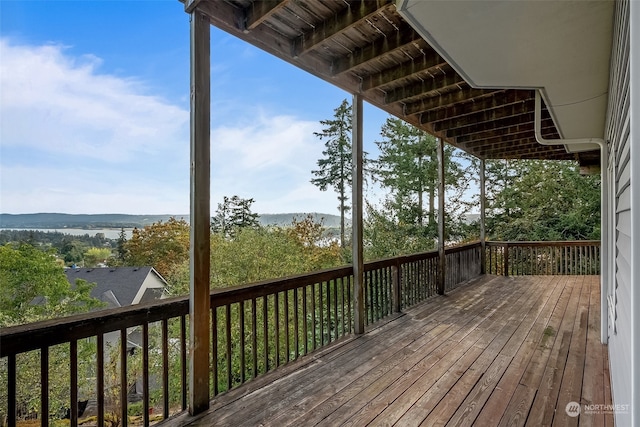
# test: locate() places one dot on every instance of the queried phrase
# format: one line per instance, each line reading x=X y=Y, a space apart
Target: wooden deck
x=497 y=351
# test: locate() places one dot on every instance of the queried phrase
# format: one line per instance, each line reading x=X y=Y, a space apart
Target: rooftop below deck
x=497 y=351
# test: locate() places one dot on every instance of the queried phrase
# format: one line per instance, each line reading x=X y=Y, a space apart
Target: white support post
x=356 y=219
x=199 y=248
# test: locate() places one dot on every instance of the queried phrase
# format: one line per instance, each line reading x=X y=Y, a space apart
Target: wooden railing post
x=200 y=232
x=442 y=262
x=395 y=286
x=505 y=257
x=359 y=311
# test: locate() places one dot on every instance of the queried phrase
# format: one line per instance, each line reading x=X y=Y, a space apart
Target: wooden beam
x=359 y=308
x=527 y=127
x=491 y=115
x=525 y=152
x=384 y=45
x=514 y=144
x=497 y=100
x=443 y=80
x=442 y=262
x=326 y=30
x=428 y=61
x=190 y=5
x=506 y=139
x=200 y=231
x=483 y=212
x=463 y=94
x=490 y=126
x=259 y=11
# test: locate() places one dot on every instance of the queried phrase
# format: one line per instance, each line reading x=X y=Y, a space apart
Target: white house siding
x=618 y=136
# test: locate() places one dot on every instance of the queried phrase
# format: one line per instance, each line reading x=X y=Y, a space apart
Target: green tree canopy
x=541 y=200
x=33 y=287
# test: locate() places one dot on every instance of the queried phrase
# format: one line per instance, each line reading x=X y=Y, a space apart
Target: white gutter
x=604 y=188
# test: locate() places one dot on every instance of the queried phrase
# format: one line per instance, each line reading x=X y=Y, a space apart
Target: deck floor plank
x=497 y=351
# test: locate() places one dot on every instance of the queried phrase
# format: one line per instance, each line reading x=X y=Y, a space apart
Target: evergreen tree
x=408 y=168
x=232 y=214
x=334 y=169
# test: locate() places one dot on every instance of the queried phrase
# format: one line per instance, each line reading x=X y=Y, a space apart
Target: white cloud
x=78 y=140
x=53 y=102
x=269 y=158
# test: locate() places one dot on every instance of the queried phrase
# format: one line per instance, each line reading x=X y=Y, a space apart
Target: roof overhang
x=466 y=75
x=561 y=47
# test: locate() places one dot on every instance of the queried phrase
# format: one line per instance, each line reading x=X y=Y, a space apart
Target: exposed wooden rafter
x=325 y=30
x=366 y=47
x=384 y=45
x=260 y=11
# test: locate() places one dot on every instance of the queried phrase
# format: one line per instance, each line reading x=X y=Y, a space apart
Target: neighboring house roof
x=121 y=286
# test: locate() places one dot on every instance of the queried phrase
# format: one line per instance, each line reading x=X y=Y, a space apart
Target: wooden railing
x=543 y=258
x=255 y=328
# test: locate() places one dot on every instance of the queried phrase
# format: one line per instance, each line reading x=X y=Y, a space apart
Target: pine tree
x=334 y=169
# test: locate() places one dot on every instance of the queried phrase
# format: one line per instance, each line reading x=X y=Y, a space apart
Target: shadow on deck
x=496 y=351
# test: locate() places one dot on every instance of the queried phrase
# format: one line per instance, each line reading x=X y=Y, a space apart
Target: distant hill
x=92 y=221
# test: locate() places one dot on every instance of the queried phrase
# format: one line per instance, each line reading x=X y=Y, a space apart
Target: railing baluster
x=265 y=331
x=145 y=373
x=123 y=377
x=321 y=313
x=254 y=339
x=276 y=327
x=44 y=387
x=100 y=378
x=329 y=311
x=286 y=327
x=165 y=369
x=227 y=344
x=342 y=318
x=304 y=320
x=242 y=342
x=73 y=373
x=336 y=332
x=214 y=350
x=296 y=325
x=314 y=324
x=11 y=390
x=350 y=302
x=183 y=361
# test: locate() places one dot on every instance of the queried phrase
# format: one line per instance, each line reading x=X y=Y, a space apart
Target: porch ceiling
x=368 y=47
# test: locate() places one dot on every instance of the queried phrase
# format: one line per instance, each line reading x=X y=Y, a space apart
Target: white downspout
x=604 y=213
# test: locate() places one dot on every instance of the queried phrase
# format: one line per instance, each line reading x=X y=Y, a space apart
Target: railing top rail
x=233 y=294
x=545 y=243
x=32 y=336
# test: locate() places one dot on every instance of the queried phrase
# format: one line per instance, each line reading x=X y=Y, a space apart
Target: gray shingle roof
x=122 y=283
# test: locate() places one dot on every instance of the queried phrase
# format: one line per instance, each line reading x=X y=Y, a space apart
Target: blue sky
x=94 y=113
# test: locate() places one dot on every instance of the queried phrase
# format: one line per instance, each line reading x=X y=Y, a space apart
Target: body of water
x=109 y=233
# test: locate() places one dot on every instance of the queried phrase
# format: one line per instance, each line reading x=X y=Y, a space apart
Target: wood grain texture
x=497 y=351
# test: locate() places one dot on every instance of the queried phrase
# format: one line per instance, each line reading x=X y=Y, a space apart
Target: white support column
x=199 y=249
x=356 y=218
x=634 y=136
x=483 y=208
x=441 y=235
